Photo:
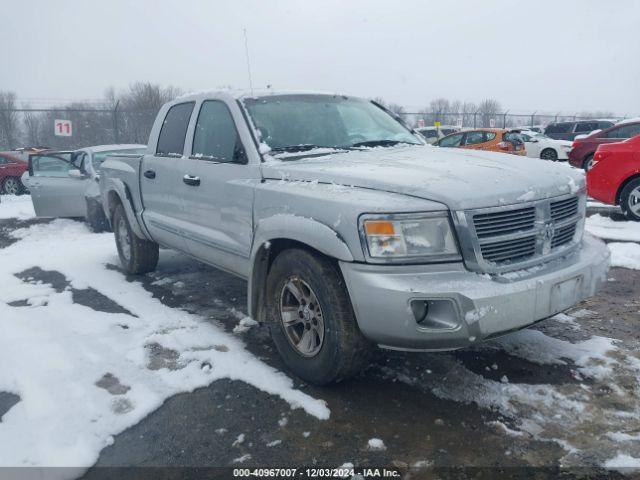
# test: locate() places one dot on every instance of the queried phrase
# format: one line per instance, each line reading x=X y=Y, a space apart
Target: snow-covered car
x=433 y=134
x=65 y=183
x=532 y=128
x=538 y=145
x=350 y=231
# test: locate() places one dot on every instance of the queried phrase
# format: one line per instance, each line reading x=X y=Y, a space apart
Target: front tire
x=12 y=186
x=630 y=200
x=311 y=319
x=137 y=256
x=549 y=154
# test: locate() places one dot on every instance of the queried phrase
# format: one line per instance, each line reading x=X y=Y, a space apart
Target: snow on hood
x=461 y=179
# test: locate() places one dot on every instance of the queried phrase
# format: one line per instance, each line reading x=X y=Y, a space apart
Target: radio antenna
x=246 y=52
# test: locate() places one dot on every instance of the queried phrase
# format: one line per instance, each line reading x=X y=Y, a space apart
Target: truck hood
x=460 y=179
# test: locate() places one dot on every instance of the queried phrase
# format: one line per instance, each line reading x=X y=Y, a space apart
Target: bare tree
x=138 y=108
x=9 y=123
x=488 y=110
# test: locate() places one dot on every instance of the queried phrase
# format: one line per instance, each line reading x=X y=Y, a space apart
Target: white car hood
x=460 y=179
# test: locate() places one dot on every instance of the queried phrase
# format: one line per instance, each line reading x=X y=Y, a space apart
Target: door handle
x=150 y=174
x=191 y=180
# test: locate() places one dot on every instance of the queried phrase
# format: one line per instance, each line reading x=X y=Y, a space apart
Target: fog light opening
x=420 y=309
x=438 y=314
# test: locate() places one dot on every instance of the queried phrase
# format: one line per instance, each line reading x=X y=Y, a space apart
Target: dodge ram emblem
x=548 y=231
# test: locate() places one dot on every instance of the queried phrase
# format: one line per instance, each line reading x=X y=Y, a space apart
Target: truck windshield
x=290 y=123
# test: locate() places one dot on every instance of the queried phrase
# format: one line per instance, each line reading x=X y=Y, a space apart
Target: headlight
x=409 y=237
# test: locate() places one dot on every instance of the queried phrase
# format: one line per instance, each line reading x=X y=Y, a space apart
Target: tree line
x=127 y=117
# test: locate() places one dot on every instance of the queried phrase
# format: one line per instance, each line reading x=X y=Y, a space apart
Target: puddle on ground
x=112 y=384
x=160 y=357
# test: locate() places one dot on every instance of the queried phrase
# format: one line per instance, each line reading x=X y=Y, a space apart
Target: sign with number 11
x=63 y=128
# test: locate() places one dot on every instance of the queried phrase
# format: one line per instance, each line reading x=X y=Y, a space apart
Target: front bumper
x=484 y=306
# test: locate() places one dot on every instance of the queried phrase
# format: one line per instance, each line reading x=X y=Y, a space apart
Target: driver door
x=56 y=184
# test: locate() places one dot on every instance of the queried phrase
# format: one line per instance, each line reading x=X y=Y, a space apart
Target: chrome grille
x=563 y=235
x=564 y=209
x=509 y=251
x=502 y=223
x=511 y=237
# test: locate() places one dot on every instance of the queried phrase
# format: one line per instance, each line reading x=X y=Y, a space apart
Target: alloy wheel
x=301 y=317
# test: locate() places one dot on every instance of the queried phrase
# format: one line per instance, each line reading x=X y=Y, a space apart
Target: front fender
x=115 y=190
x=287 y=227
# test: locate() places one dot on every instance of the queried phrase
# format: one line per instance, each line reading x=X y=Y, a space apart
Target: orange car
x=491 y=139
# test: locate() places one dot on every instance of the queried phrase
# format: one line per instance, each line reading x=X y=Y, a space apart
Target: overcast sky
x=560 y=55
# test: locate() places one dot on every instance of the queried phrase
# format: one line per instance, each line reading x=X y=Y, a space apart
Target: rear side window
x=473 y=138
x=451 y=140
x=586 y=127
x=215 y=137
x=626 y=131
x=174 y=129
x=559 y=128
x=512 y=137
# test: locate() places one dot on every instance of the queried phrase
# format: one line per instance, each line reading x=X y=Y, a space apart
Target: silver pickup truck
x=350 y=231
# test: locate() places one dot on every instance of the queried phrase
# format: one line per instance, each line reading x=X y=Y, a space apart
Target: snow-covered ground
x=84 y=375
x=12 y=206
x=623 y=237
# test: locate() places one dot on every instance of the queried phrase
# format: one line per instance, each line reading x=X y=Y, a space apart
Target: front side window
x=451 y=140
x=298 y=122
x=625 y=131
x=215 y=137
x=3 y=161
x=174 y=130
x=586 y=127
x=52 y=165
x=559 y=128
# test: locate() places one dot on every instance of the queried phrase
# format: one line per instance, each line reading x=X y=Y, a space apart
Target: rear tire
x=137 y=256
x=587 y=162
x=12 y=186
x=549 y=154
x=342 y=351
x=630 y=200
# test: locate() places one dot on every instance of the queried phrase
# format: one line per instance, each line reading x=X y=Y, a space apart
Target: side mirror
x=534 y=140
x=75 y=173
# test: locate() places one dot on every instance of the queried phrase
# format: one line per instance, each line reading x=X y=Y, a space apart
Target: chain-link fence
x=480 y=119
x=88 y=126
x=21 y=127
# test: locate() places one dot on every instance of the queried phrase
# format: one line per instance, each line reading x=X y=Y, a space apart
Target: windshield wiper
x=303 y=147
x=381 y=143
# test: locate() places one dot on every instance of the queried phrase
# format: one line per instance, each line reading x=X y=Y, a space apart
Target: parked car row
x=614 y=176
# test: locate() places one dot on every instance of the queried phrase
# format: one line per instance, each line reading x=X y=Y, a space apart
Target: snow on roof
x=108 y=148
x=255 y=93
x=629 y=120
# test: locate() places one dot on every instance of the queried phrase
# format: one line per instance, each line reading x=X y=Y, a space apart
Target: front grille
x=564 y=209
x=505 y=222
x=512 y=237
x=509 y=251
x=563 y=235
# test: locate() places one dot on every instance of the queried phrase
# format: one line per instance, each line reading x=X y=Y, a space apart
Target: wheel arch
x=116 y=194
x=273 y=237
x=622 y=186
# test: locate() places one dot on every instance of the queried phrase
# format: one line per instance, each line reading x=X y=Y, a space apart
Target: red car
x=583 y=149
x=11 y=169
x=614 y=177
